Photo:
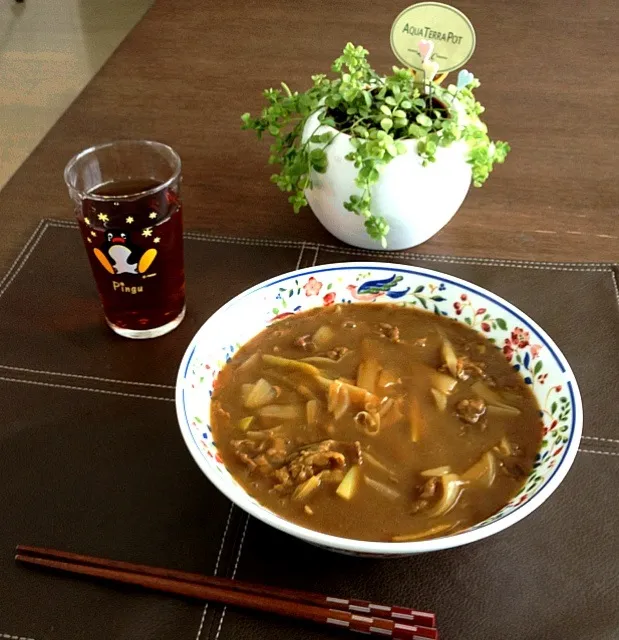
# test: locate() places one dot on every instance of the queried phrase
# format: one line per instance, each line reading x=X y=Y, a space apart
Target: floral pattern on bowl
x=523 y=343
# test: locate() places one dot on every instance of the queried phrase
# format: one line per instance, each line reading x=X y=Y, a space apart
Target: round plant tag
x=449 y=30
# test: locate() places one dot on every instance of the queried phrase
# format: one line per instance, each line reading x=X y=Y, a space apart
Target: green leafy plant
x=378 y=113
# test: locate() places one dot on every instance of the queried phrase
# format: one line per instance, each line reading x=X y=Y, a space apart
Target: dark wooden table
x=184 y=76
x=550 y=82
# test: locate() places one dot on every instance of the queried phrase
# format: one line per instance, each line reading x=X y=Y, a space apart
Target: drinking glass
x=128 y=206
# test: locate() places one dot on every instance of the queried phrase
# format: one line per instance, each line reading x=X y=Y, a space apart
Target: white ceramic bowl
x=524 y=343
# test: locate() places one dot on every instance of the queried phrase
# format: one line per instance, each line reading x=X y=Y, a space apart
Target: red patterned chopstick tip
x=411 y=632
x=379 y=626
x=405 y=614
x=364 y=624
x=361 y=624
x=399 y=614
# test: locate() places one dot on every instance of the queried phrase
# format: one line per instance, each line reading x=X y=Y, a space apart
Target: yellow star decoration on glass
x=147 y=233
x=92 y=233
x=157 y=240
x=129 y=219
x=103 y=217
x=152 y=215
x=87 y=220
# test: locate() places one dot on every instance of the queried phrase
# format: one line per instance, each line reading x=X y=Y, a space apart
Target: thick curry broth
x=405 y=445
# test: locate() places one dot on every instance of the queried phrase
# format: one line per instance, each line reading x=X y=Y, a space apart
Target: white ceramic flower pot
x=416 y=201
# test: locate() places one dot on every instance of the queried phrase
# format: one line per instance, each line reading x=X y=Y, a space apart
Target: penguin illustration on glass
x=119 y=255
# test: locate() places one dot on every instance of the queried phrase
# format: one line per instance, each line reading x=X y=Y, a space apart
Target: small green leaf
x=467 y=320
x=392 y=149
x=415 y=131
x=386 y=123
x=390 y=100
x=423 y=120
x=385 y=109
x=502 y=324
x=537 y=368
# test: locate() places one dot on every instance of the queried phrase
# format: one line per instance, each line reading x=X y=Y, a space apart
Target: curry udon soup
x=375 y=422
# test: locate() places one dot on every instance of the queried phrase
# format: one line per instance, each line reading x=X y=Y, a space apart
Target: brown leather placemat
x=91 y=460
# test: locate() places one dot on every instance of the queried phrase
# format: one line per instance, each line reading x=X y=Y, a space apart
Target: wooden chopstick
x=400 y=614
x=307 y=606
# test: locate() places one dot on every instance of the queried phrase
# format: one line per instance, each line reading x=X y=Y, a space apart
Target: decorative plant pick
x=426 y=47
x=464 y=79
x=434 y=30
x=430 y=69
